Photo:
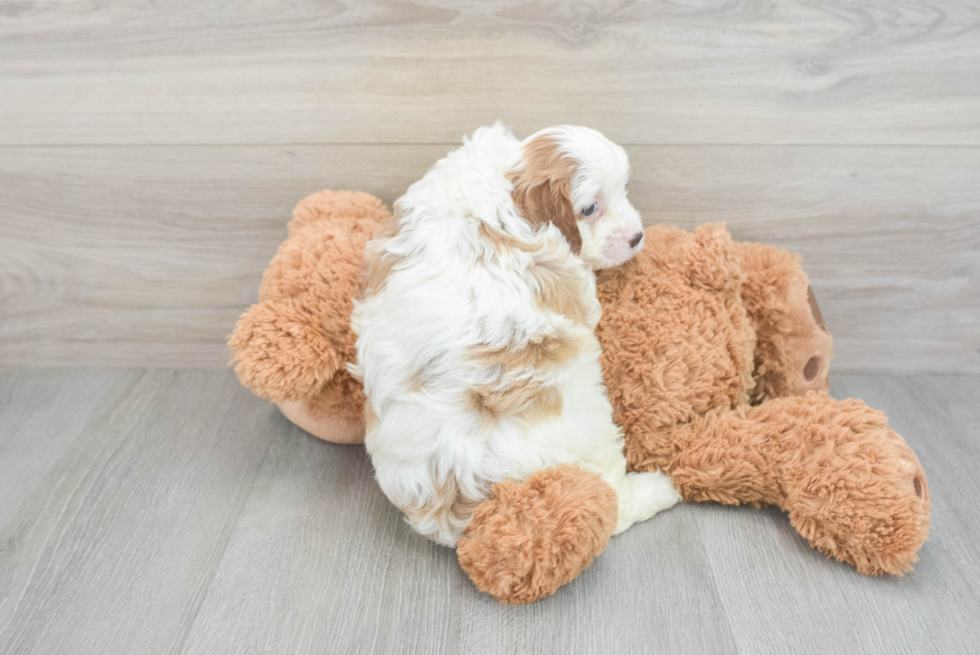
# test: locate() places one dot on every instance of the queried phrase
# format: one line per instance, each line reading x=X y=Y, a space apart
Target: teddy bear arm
x=531 y=537
x=722 y=456
x=294 y=342
x=793 y=347
x=280 y=353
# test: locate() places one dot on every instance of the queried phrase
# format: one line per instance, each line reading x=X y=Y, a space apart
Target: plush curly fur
x=705 y=342
x=675 y=319
x=292 y=347
x=531 y=537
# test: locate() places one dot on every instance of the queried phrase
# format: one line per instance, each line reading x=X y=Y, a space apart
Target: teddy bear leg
x=853 y=488
x=851 y=485
x=793 y=348
x=531 y=537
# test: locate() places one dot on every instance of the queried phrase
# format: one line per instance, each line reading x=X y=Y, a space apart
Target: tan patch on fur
x=560 y=289
x=516 y=392
x=544 y=351
x=423 y=376
x=530 y=400
x=370 y=418
x=548 y=404
x=558 y=283
x=503 y=242
x=416 y=381
x=531 y=537
x=449 y=499
x=377 y=263
x=542 y=188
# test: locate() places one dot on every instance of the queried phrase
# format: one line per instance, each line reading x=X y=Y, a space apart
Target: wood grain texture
x=33 y=440
x=128 y=485
x=394 y=71
x=145 y=256
x=333 y=567
x=151 y=514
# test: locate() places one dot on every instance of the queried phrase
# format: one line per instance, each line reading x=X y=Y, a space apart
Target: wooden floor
x=162 y=511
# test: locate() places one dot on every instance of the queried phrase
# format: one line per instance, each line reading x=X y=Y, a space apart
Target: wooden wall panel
x=392 y=71
x=145 y=256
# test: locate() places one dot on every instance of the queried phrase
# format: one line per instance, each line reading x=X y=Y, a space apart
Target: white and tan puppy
x=475 y=329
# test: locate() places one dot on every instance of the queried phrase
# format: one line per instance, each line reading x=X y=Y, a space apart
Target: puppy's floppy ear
x=542 y=188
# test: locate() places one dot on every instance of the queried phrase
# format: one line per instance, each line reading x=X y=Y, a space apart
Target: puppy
x=475 y=328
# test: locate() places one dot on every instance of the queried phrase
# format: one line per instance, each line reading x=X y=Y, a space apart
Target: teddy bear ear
x=361 y=210
x=281 y=353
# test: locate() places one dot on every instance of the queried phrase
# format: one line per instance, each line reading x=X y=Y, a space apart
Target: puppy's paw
x=649 y=493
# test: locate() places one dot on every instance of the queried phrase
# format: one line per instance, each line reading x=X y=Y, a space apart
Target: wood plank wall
x=150 y=153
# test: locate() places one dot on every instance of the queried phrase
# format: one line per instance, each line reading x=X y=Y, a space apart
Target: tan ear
x=542 y=188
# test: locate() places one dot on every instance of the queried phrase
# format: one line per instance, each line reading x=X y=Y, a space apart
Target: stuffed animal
x=716 y=361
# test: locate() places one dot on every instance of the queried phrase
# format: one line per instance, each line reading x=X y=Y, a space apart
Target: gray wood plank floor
x=171 y=512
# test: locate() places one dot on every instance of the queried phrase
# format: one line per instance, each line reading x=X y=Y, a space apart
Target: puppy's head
x=576 y=179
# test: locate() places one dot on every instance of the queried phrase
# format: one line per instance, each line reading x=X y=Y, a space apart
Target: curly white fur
x=475 y=337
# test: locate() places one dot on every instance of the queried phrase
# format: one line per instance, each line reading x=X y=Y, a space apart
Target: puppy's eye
x=588 y=211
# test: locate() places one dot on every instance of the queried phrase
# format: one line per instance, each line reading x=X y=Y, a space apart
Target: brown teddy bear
x=716 y=361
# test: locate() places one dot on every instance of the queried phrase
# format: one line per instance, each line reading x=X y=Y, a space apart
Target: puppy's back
x=468 y=334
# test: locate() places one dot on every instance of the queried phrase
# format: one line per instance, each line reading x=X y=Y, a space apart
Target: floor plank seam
x=717 y=588
x=61 y=522
x=181 y=647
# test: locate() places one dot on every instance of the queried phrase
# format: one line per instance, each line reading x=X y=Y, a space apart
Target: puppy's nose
x=635 y=241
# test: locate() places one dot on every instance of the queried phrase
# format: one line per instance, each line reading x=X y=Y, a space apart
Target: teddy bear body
x=683 y=366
